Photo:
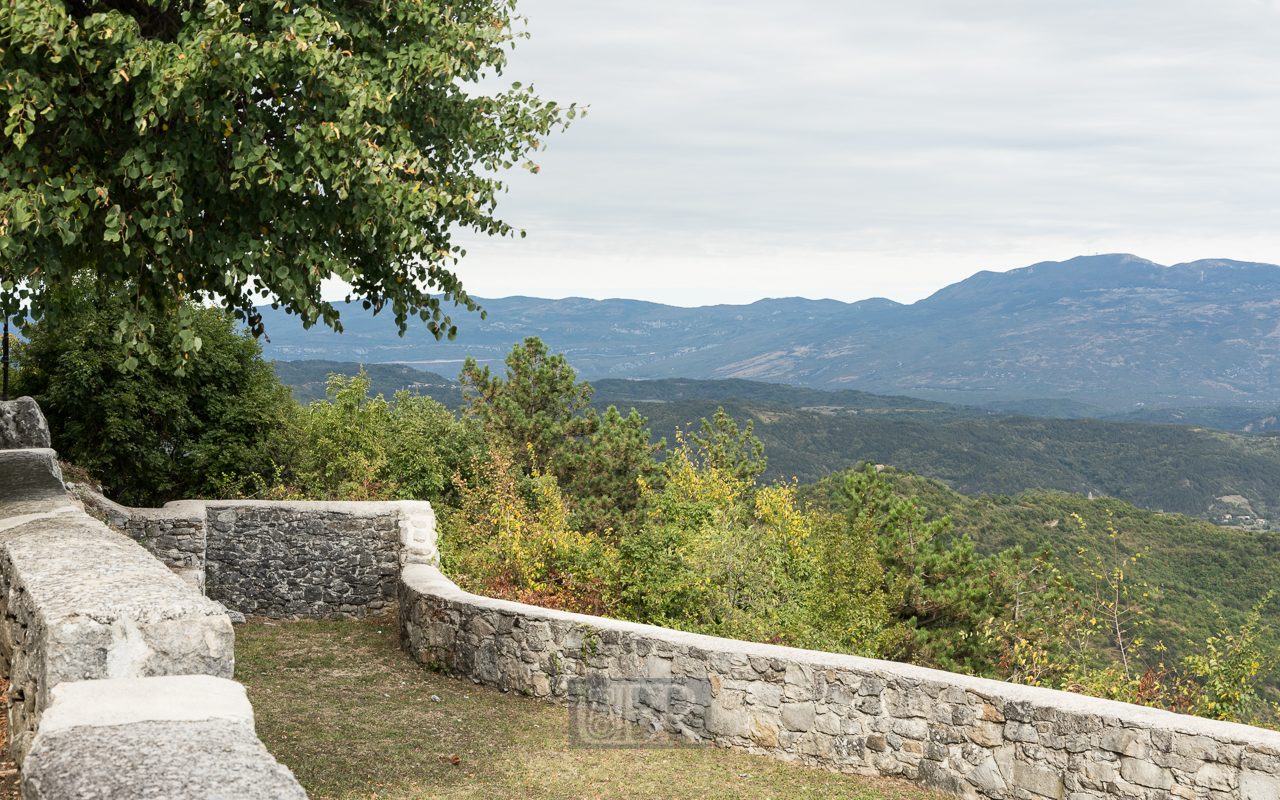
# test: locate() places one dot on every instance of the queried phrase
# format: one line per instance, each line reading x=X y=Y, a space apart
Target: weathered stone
x=1256 y=786
x=1020 y=732
x=22 y=426
x=210 y=760
x=871 y=686
x=986 y=776
x=1213 y=776
x=987 y=734
x=1041 y=781
x=870 y=705
x=727 y=717
x=1144 y=773
x=911 y=728
x=763 y=730
x=797 y=716
x=936 y=752
x=828 y=723
x=30 y=480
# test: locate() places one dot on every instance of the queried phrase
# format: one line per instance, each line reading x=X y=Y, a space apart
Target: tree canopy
x=149 y=435
x=542 y=412
x=187 y=151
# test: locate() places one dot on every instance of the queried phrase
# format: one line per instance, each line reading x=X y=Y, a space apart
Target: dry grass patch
x=353 y=717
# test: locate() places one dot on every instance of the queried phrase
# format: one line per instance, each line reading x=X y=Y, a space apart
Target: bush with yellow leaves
x=510 y=538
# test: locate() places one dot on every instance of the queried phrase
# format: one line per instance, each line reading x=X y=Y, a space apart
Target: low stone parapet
x=82 y=602
x=282 y=559
x=968 y=737
x=165 y=737
x=302 y=559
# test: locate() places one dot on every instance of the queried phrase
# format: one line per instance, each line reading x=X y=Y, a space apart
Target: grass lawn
x=354 y=717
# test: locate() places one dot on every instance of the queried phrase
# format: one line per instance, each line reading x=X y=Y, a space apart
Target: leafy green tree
x=845 y=604
x=429 y=449
x=151 y=436
x=542 y=411
x=1232 y=667
x=942 y=591
x=351 y=446
x=612 y=466
x=740 y=453
x=187 y=151
x=539 y=406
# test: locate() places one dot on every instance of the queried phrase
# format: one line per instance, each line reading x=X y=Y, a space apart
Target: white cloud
x=736 y=150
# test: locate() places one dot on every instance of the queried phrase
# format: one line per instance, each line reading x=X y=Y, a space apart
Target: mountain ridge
x=1116 y=331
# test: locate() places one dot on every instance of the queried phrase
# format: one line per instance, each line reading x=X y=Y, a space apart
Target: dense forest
x=1175 y=468
x=1166 y=464
x=543 y=498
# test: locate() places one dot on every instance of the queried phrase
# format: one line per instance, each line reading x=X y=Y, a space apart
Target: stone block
x=829 y=724
x=871 y=686
x=1144 y=773
x=1020 y=732
x=766 y=694
x=911 y=728
x=22 y=426
x=188 y=736
x=986 y=776
x=797 y=716
x=987 y=734
x=762 y=729
x=29 y=481
x=1213 y=776
x=1037 y=780
x=1257 y=786
x=727 y=716
x=907 y=701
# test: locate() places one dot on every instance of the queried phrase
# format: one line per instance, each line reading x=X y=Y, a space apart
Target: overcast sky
x=747 y=149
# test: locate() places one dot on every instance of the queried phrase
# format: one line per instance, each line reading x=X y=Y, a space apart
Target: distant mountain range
x=1116 y=332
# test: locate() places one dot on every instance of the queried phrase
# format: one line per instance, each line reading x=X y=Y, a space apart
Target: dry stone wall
x=303 y=559
x=967 y=737
x=282 y=559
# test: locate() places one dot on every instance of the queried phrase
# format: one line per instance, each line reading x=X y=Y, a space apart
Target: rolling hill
x=809 y=434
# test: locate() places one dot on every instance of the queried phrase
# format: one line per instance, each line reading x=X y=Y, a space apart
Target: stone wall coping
x=375 y=508
x=185 y=510
x=125 y=701
x=428 y=580
x=76 y=568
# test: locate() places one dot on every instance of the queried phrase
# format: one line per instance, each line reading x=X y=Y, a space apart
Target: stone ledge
x=170 y=737
x=125 y=701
